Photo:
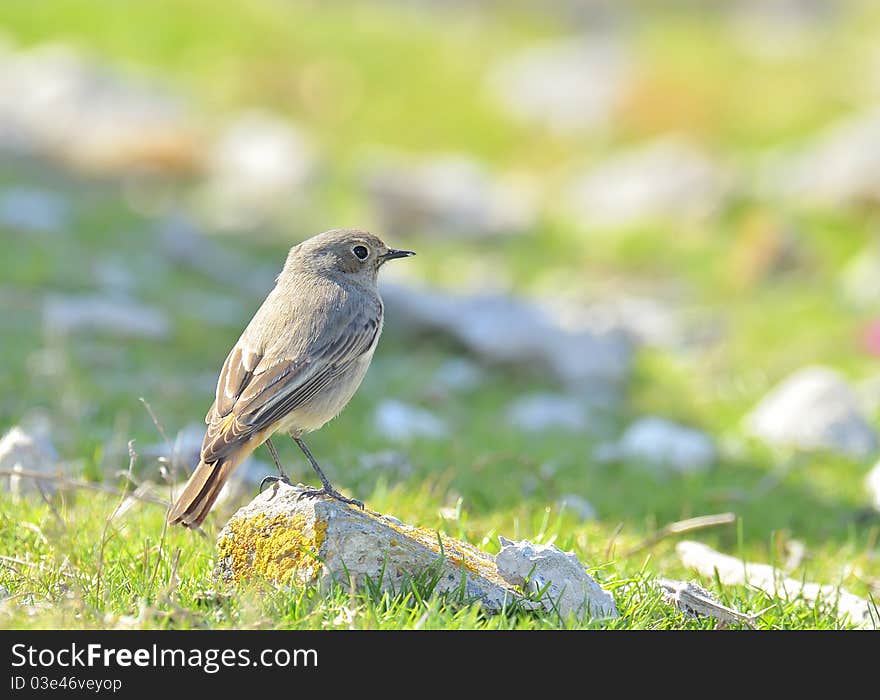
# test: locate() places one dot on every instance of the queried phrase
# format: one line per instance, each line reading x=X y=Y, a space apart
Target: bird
x=296 y=365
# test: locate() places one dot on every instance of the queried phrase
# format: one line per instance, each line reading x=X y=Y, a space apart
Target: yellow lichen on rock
x=455 y=551
x=273 y=549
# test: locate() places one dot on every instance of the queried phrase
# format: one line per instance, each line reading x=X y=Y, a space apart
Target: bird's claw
x=272 y=479
x=333 y=493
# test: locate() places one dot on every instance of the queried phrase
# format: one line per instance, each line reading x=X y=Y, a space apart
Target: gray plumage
x=297 y=363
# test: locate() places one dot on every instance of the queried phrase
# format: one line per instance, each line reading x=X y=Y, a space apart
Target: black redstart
x=296 y=365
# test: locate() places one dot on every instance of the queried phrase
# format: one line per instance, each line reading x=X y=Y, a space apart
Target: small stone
x=32 y=210
x=56 y=102
x=567 y=86
x=645 y=320
x=814 y=408
x=452 y=513
x=543 y=412
x=113 y=315
x=258 y=166
x=660 y=443
x=668 y=180
x=458 y=374
x=694 y=601
x=840 y=168
x=401 y=422
x=451 y=195
x=506 y=330
x=114 y=276
x=732 y=571
x=568 y=589
x=21 y=451
x=578 y=505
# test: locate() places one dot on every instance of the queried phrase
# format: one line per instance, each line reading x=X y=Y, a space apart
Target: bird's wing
x=255 y=390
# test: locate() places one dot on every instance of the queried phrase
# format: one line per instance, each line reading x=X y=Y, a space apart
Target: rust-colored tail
x=202 y=489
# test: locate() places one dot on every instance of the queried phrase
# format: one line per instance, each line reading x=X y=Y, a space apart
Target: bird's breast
x=327 y=403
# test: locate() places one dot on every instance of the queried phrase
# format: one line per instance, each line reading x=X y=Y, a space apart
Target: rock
x=578 y=505
x=21 y=451
x=567 y=86
x=670 y=180
x=694 y=601
x=505 y=330
x=116 y=316
x=568 y=589
x=814 y=408
x=661 y=444
x=32 y=210
x=666 y=319
x=56 y=103
x=732 y=571
x=840 y=168
x=401 y=422
x=872 y=483
x=285 y=540
x=542 y=412
x=644 y=320
x=450 y=195
x=457 y=375
x=114 y=276
x=259 y=165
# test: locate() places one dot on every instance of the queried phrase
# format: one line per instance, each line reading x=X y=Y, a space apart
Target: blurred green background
x=692 y=185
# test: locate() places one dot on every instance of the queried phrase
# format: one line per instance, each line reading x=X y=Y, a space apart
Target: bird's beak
x=392 y=253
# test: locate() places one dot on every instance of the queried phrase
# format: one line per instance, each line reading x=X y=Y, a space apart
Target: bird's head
x=345 y=252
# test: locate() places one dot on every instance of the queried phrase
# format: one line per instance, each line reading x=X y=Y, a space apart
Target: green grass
x=78 y=567
x=68 y=563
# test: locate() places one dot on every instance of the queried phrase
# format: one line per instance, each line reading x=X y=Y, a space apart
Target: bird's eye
x=360 y=251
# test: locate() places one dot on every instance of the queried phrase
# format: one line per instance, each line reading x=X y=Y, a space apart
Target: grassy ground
x=69 y=563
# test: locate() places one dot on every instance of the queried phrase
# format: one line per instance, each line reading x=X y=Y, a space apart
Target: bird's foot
x=328 y=490
x=272 y=479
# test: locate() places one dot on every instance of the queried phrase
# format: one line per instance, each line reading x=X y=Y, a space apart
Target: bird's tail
x=202 y=489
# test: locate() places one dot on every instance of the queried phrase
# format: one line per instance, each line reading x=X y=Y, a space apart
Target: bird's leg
x=275 y=459
x=327 y=489
x=281 y=475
